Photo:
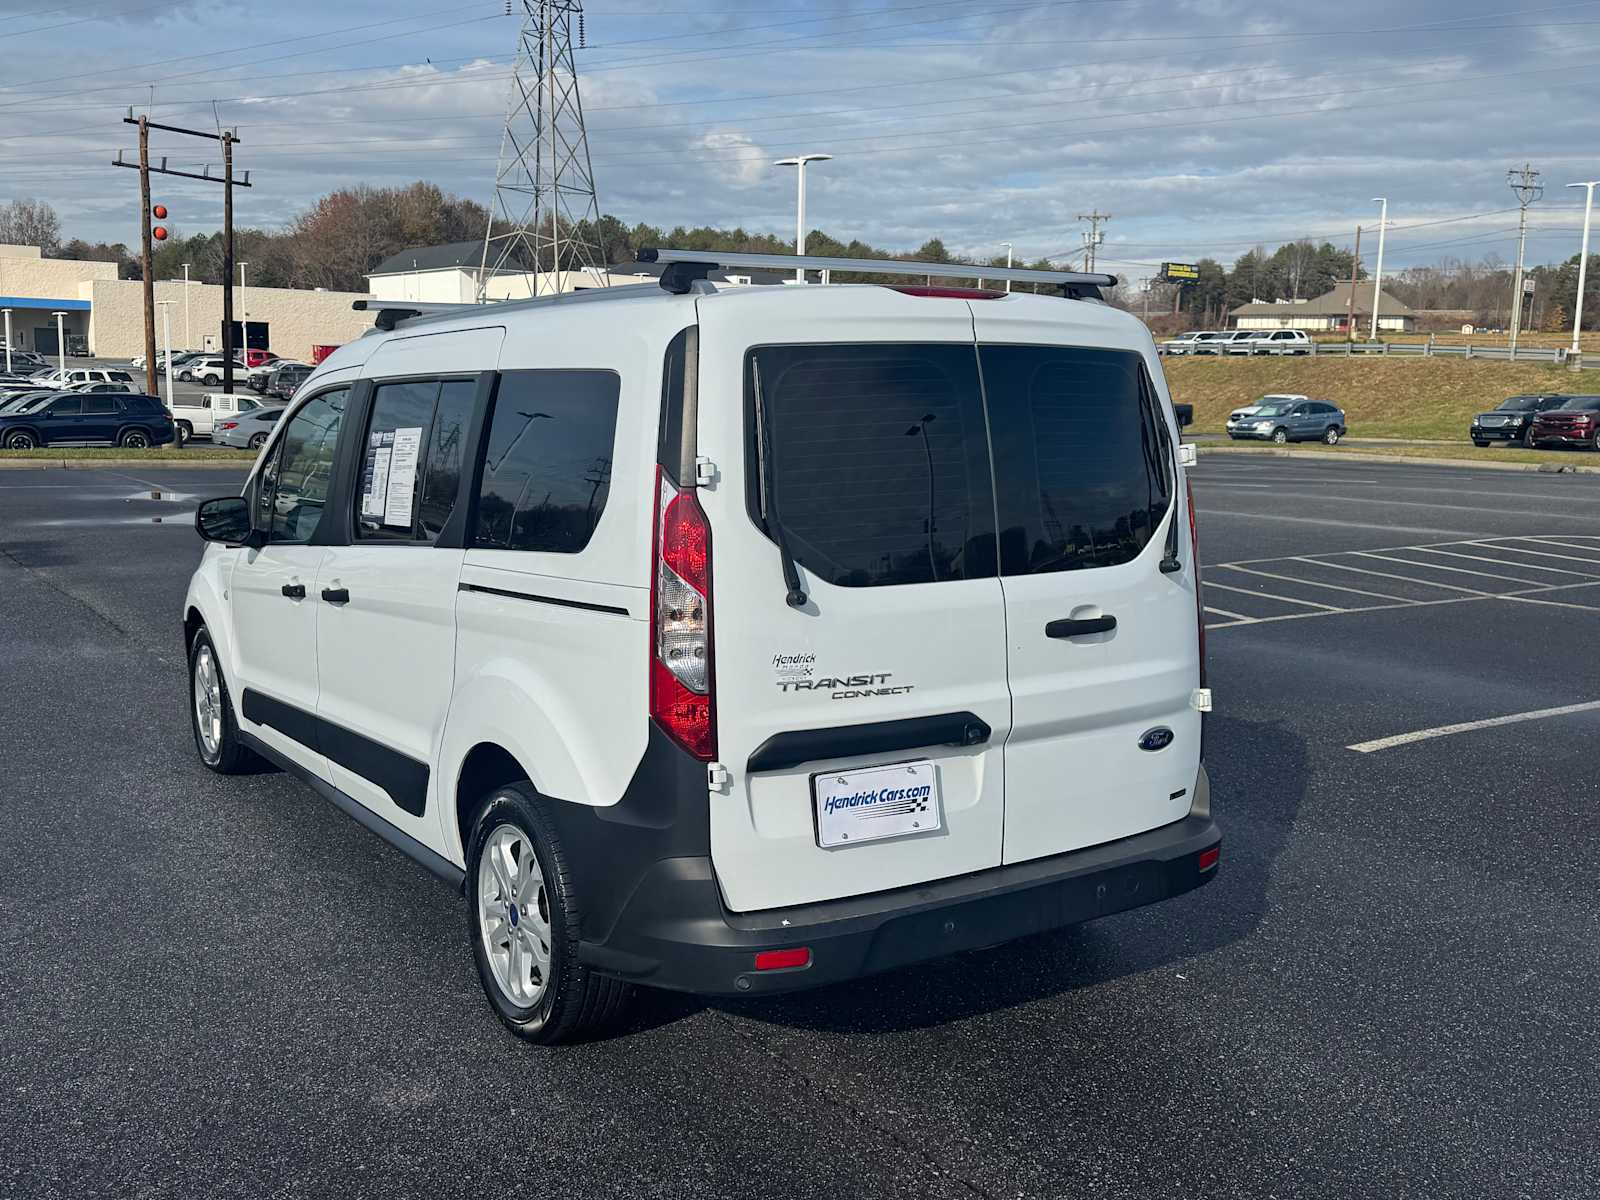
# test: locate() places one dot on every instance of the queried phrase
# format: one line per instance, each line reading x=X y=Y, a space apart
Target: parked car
x=259 y=358
x=1279 y=341
x=260 y=378
x=197 y=416
x=1180 y=345
x=134 y=421
x=24 y=401
x=285 y=380
x=249 y=429
x=208 y=370
x=1293 y=421
x=1512 y=419
x=1237 y=341
x=100 y=386
x=1238 y=422
x=72 y=376
x=1575 y=423
x=1208 y=342
x=24 y=362
x=571 y=502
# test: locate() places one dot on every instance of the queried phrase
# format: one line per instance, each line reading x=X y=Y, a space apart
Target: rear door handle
x=336 y=595
x=295 y=591
x=1068 y=627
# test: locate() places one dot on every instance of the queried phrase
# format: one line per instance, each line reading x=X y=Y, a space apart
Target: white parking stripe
x=1222 y=612
x=1551 y=603
x=1422 y=735
x=1510 y=549
x=1269 y=596
x=1550 y=541
x=1449 y=587
x=1502 y=562
x=1427 y=566
x=1333 y=587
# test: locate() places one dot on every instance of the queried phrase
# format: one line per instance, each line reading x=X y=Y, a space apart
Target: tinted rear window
x=878 y=468
x=1083 y=463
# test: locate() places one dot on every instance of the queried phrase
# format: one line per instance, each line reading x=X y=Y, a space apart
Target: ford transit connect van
x=728 y=641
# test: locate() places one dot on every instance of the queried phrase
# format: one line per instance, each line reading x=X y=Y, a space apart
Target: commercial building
x=1328 y=313
x=108 y=313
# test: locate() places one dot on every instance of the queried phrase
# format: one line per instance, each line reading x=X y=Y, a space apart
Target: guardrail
x=1531 y=354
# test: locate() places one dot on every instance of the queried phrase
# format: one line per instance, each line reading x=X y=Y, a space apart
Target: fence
x=1530 y=354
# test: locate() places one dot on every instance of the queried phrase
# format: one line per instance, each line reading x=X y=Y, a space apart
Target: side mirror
x=1185 y=414
x=226 y=519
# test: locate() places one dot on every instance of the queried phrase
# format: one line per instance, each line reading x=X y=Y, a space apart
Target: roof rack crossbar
x=392 y=312
x=1071 y=282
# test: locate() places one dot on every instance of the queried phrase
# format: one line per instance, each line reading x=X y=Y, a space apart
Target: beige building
x=1327 y=313
x=109 y=312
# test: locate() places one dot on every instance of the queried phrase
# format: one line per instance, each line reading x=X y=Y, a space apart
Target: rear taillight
x=228 y=425
x=682 y=682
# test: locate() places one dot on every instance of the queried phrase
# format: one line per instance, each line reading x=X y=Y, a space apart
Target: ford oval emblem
x=1158 y=738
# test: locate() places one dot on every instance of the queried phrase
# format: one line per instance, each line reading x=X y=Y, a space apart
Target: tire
x=1280 y=436
x=1479 y=442
x=220 y=751
x=1330 y=436
x=568 y=1000
x=1527 y=437
x=184 y=431
x=134 y=439
x=257 y=440
x=211 y=380
x=185 y=375
x=21 y=439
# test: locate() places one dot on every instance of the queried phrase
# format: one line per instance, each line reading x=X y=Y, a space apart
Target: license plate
x=873 y=803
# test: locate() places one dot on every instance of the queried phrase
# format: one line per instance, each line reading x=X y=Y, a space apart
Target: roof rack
x=392 y=312
x=683 y=267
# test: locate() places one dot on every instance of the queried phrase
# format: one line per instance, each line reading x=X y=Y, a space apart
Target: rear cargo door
x=1103 y=656
x=855 y=422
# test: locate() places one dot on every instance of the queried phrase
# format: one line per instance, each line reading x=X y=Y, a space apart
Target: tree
x=29 y=222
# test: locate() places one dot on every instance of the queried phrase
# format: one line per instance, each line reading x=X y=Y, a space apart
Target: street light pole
x=244 y=321
x=1007 y=245
x=61 y=343
x=1377 y=279
x=799 y=161
x=8 y=340
x=1583 y=264
x=188 y=336
x=166 y=336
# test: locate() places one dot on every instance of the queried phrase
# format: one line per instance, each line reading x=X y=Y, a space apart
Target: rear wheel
x=1280 y=436
x=21 y=439
x=134 y=439
x=185 y=431
x=523 y=924
x=1331 y=435
x=257 y=440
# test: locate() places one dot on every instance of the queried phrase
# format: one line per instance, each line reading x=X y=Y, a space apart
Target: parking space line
x=1269 y=596
x=1502 y=562
x=1551 y=541
x=1237 y=618
x=1551 y=603
x=1411 y=562
x=1306 y=582
x=1449 y=587
x=1421 y=735
x=1487 y=545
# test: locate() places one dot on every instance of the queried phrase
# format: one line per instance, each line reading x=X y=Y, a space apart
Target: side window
x=67 y=406
x=98 y=406
x=294 y=483
x=411 y=471
x=1083 y=473
x=547 y=460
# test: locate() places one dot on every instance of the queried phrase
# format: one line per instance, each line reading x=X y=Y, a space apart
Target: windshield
x=1518 y=404
x=1272 y=410
x=1582 y=404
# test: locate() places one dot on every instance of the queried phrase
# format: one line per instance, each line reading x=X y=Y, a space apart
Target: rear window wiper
x=796 y=596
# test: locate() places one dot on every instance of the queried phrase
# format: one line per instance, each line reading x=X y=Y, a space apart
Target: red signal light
x=159 y=233
x=160 y=212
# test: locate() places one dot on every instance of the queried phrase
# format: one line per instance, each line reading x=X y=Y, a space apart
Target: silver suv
x=1281 y=420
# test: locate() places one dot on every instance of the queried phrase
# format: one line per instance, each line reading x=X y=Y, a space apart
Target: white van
x=732 y=642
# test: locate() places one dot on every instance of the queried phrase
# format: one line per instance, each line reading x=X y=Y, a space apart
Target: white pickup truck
x=197 y=418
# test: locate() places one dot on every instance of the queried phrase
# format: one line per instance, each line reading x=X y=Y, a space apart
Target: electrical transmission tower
x=544 y=185
x=1092 y=237
x=1526 y=187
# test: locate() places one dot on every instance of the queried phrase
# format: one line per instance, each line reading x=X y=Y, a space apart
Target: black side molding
x=783 y=750
x=562 y=602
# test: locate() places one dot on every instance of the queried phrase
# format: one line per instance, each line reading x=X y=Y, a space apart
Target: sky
x=1204 y=127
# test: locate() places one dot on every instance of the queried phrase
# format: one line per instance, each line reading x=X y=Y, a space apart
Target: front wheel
x=216 y=736
x=1331 y=436
x=21 y=439
x=523 y=924
x=1280 y=437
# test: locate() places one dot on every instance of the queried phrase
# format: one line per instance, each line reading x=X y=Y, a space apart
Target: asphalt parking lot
x=225 y=987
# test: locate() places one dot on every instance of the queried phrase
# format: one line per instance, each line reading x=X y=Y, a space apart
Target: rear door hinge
x=705 y=472
x=1200 y=699
x=717 y=777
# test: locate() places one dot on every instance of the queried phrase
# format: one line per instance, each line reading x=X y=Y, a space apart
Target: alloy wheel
x=208 y=702
x=514 y=915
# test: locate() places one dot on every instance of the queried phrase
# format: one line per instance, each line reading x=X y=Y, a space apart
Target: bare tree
x=29 y=222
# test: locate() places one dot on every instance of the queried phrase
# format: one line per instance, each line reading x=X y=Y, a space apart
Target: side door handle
x=295 y=591
x=336 y=595
x=1067 y=627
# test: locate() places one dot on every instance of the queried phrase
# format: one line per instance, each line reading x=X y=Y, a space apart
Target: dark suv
x=134 y=421
x=286 y=379
x=1512 y=419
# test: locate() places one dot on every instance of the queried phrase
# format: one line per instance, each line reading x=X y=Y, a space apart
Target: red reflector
x=778 y=960
x=949 y=293
x=1208 y=858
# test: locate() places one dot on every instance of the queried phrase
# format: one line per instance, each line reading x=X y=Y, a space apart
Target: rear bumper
x=673 y=931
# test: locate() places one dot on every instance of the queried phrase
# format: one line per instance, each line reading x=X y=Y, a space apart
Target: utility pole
x=1525 y=186
x=146 y=259
x=1093 y=237
x=227 y=137
x=1377 y=279
x=1355 y=271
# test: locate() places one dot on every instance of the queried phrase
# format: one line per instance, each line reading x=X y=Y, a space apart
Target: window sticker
x=375 y=475
x=402 y=489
